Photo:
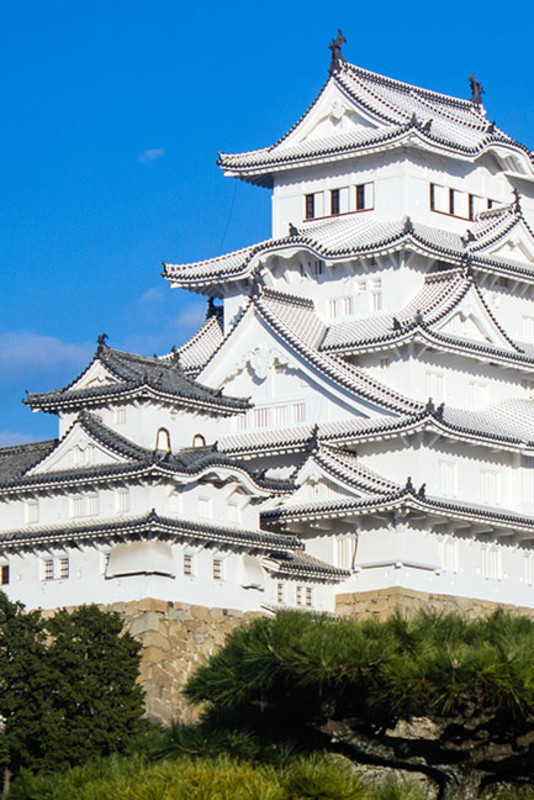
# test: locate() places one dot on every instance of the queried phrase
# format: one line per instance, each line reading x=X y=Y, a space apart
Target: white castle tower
x=356 y=414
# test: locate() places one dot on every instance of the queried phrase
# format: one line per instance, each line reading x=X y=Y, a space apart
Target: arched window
x=163 y=440
x=198 y=440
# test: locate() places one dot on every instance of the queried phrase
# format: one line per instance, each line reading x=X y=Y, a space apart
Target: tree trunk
x=7 y=780
x=461 y=786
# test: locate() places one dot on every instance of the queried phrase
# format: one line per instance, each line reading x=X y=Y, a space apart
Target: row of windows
x=87 y=505
x=343 y=200
x=272 y=417
x=347 y=305
x=435 y=386
x=217 y=567
x=490 y=483
x=303 y=595
x=464 y=205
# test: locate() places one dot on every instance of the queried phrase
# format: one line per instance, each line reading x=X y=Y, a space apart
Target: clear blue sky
x=112 y=115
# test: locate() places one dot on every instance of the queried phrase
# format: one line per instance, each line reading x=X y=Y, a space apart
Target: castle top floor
x=370 y=144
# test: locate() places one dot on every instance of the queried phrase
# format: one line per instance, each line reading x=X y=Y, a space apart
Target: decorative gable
x=77 y=450
x=93 y=378
x=471 y=319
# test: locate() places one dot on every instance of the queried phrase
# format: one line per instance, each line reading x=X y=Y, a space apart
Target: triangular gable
x=471 y=319
x=517 y=244
x=78 y=450
x=332 y=114
x=316 y=484
x=256 y=361
x=94 y=377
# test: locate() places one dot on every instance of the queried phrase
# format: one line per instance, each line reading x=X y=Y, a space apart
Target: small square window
x=217 y=569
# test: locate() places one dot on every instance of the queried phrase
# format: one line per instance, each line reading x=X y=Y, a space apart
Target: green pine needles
x=434 y=693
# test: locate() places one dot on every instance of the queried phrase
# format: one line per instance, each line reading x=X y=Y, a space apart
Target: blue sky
x=112 y=116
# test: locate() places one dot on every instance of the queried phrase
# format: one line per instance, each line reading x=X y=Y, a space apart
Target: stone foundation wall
x=383 y=602
x=176 y=637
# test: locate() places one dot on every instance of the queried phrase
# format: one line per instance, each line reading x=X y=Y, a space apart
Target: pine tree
x=68 y=687
x=437 y=694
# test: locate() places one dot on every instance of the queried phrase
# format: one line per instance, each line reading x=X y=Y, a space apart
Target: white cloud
x=192 y=316
x=150 y=155
x=8 y=438
x=26 y=353
x=154 y=294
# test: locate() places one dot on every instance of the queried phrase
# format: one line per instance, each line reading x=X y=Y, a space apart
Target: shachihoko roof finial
x=101 y=340
x=337 y=56
x=476 y=90
x=517 y=201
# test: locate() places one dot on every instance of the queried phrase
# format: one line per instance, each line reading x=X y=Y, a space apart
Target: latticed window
x=4 y=574
x=309 y=596
x=309 y=210
x=48 y=569
x=298 y=595
x=280 y=594
x=64 y=567
x=188 y=564
x=217 y=569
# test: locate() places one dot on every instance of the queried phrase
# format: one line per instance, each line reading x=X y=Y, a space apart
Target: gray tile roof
x=140 y=462
x=17 y=460
x=156 y=377
x=151 y=524
x=402 y=111
x=299 y=564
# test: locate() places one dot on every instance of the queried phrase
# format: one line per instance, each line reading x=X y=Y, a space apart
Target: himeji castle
x=355 y=415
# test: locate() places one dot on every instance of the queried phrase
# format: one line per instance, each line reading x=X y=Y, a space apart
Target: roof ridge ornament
x=476 y=90
x=101 y=341
x=337 y=56
x=293 y=231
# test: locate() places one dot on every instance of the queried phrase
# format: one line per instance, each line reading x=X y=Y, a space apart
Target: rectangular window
x=204 y=507
x=449 y=555
x=217 y=569
x=262 y=417
x=48 y=569
x=280 y=416
x=298 y=595
x=309 y=596
x=434 y=386
x=4 y=574
x=334 y=202
x=376 y=294
x=360 y=197
x=234 y=513
x=299 y=413
x=32 y=511
x=77 y=506
x=310 y=206
x=477 y=393
x=92 y=505
x=490 y=487
x=451 y=201
x=448 y=478
x=123 y=500
x=188 y=564
x=64 y=567
x=491 y=562
x=527 y=329
x=119 y=416
x=279 y=592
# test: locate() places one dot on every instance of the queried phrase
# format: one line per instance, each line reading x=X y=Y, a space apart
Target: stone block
x=149 y=621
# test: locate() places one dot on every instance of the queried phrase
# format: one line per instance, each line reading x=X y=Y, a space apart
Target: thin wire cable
x=228 y=220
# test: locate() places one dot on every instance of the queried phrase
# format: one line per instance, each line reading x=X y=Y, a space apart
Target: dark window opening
x=310 y=206
x=334 y=202
x=5 y=574
x=360 y=197
x=432 y=197
x=471 y=207
x=490 y=203
x=451 y=201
